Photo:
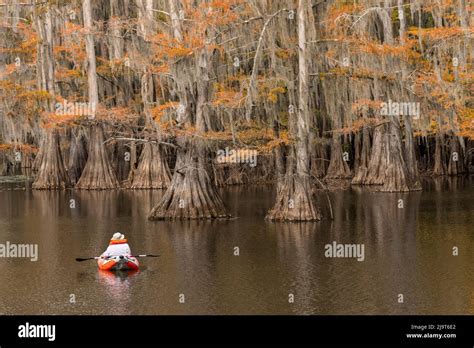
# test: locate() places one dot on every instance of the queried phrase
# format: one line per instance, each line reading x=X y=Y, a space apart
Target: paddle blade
x=78 y=259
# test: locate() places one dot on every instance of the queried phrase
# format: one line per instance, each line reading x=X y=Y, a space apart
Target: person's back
x=118 y=246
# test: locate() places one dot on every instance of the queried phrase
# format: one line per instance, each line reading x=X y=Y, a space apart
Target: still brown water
x=407 y=251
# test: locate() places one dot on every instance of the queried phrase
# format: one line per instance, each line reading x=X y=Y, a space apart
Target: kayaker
x=118 y=246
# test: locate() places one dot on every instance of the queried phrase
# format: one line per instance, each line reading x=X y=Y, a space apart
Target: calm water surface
x=407 y=251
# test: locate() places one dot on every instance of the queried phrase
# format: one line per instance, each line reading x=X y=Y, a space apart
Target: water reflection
x=118 y=286
x=246 y=265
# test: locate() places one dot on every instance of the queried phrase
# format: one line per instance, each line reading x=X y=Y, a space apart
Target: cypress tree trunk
x=396 y=176
x=410 y=155
x=279 y=156
x=387 y=166
x=52 y=174
x=90 y=51
x=456 y=158
x=152 y=171
x=77 y=157
x=120 y=164
x=192 y=193
x=39 y=156
x=295 y=200
x=363 y=158
x=319 y=161
x=439 y=165
x=98 y=174
x=338 y=168
x=219 y=174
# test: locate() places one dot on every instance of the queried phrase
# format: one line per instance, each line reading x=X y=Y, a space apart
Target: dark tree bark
x=363 y=158
x=219 y=174
x=77 y=157
x=319 y=161
x=279 y=156
x=410 y=155
x=121 y=161
x=456 y=158
x=439 y=164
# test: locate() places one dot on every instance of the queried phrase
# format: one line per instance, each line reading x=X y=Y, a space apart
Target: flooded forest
x=189 y=97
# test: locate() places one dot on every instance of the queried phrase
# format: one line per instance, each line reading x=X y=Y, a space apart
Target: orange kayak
x=118 y=263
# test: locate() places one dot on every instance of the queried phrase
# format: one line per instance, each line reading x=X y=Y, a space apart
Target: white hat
x=118 y=236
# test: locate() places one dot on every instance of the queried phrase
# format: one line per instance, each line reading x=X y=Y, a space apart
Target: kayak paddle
x=100 y=257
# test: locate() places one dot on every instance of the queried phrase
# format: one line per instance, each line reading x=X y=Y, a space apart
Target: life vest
x=119 y=241
x=117 y=248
